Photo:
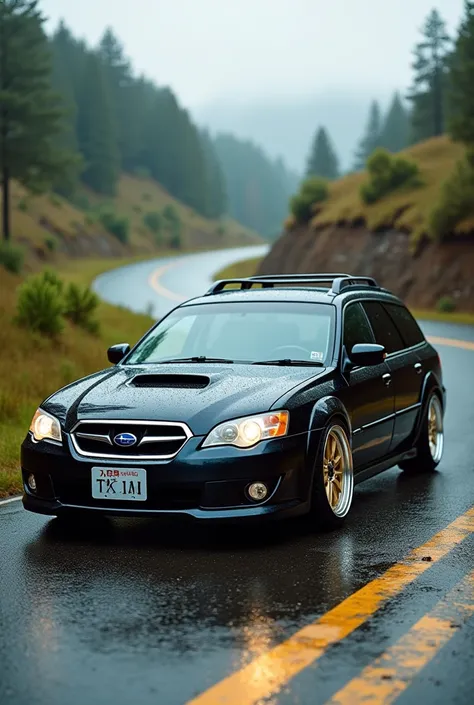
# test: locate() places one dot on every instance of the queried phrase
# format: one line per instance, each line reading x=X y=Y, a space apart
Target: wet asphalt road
x=139 y=611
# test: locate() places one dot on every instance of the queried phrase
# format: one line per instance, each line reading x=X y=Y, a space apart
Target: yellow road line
x=266 y=674
x=155 y=283
x=389 y=675
x=451 y=342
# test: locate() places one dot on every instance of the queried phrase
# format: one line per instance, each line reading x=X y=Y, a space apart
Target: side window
x=356 y=327
x=385 y=331
x=406 y=324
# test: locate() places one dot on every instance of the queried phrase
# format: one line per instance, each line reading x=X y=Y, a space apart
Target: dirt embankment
x=421 y=280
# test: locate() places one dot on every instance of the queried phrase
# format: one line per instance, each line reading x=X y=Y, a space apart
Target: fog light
x=257 y=491
x=32 y=483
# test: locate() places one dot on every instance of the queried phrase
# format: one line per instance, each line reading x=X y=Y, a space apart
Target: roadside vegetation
x=427 y=189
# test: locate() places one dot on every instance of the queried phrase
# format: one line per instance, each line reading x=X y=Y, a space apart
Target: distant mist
x=285 y=127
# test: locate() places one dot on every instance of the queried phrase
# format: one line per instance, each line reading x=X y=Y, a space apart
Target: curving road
x=136 y=612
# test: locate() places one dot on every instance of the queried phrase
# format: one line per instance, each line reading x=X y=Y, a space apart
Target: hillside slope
x=387 y=240
x=48 y=224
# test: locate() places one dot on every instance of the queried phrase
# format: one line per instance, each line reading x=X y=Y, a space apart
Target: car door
x=402 y=363
x=368 y=397
x=408 y=404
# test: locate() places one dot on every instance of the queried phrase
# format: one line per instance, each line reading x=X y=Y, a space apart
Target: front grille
x=155 y=440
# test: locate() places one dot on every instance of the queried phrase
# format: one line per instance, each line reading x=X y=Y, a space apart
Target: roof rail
x=310 y=277
x=336 y=282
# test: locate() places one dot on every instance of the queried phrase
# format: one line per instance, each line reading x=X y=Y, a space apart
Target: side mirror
x=367 y=354
x=117 y=352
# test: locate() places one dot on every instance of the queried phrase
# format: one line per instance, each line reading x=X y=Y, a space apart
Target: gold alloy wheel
x=435 y=429
x=337 y=471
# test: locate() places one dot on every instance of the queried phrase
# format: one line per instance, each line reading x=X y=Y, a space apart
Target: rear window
x=246 y=331
x=406 y=324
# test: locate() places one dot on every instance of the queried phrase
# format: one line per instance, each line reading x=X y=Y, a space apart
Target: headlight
x=246 y=432
x=45 y=427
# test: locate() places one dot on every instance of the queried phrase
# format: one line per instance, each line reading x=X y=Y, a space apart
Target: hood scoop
x=162 y=381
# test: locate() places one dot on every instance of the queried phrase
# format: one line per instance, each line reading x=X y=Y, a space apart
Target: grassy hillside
x=48 y=224
x=33 y=366
x=406 y=209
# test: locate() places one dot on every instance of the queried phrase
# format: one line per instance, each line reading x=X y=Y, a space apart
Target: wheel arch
x=323 y=412
x=431 y=384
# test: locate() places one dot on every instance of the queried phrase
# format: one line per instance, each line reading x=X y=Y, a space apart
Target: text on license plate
x=119 y=483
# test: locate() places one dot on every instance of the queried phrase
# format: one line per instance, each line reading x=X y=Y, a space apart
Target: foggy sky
x=240 y=53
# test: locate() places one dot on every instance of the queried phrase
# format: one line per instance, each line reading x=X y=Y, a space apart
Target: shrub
x=23 y=205
x=170 y=213
x=50 y=276
x=456 y=201
x=80 y=305
x=117 y=225
x=153 y=222
x=39 y=305
x=51 y=244
x=446 y=304
x=146 y=196
x=387 y=173
x=313 y=190
x=173 y=226
x=11 y=257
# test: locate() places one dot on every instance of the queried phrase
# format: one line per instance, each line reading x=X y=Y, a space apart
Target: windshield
x=249 y=332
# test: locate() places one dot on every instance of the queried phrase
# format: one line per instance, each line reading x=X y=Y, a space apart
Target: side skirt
x=373 y=470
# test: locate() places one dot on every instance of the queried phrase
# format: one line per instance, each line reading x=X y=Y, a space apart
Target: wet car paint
x=134 y=610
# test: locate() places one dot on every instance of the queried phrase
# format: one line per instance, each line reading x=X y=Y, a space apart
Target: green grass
x=455 y=317
x=244 y=268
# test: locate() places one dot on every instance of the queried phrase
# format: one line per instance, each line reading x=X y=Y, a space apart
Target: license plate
x=119 y=483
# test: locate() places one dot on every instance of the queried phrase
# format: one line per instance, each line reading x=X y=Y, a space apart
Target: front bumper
x=198 y=484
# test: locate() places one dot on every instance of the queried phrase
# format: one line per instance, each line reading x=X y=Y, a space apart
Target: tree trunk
x=6 y=203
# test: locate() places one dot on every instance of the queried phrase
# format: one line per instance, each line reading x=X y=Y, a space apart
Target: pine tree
x=215 y=182
x=118 y=76
x=430 y=66
x=30 y=114
x=371 y=139
x=461 y=95
x=395 y=134
x=96 y=130
x=63 y=49
x=322 y=160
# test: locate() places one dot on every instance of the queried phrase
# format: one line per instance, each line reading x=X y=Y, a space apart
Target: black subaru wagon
x=267 y=397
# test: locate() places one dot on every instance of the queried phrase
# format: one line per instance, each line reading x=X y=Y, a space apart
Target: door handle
x=387 y=379
x=418 y=368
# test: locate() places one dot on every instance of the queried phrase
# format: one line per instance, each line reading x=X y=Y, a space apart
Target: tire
x=430 y=444
x=333 y=480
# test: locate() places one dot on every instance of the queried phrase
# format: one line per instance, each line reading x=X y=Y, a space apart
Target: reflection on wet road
x=141 y=611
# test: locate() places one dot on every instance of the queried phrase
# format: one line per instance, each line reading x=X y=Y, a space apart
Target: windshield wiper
x=197 y=358
x=288 y=363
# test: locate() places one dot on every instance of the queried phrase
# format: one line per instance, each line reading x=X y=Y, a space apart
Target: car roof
x=293 y=294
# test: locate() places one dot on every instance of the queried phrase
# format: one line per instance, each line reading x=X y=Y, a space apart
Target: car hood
x=200 y=395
